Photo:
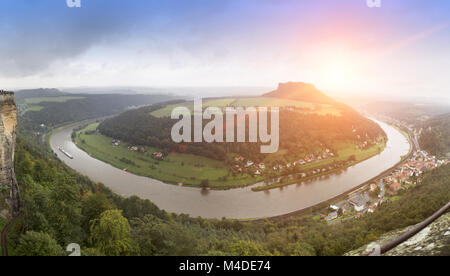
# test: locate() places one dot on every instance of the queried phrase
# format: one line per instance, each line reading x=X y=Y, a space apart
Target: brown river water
x=240 y=203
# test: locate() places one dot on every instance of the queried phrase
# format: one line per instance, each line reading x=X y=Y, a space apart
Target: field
x=177 y=168
x=31 y=108
x=345 y=151
x=321 y=109
x=50 y=99
x=187 y=169
x=32 y=104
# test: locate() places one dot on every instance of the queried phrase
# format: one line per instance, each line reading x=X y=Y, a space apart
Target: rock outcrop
x=300 y=91
x=433 y=240
x=9 y=189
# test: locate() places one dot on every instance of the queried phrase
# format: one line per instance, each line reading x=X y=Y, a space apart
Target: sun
x=338 y=74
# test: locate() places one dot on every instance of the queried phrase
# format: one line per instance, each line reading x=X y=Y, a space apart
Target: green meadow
x=51 y=99
x=32 y=104
x=177 y=168
x=188 y=169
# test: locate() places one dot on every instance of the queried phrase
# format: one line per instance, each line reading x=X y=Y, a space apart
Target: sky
x=344 y=47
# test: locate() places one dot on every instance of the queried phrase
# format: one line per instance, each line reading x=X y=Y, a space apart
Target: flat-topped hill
x=300 y=91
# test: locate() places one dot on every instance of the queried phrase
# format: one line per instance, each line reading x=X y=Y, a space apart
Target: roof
x=395 y=185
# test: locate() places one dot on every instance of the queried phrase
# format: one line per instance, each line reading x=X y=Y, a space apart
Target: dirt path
x=4 y=239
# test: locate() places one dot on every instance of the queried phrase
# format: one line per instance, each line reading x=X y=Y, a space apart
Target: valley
x=191 y=170
x=239 y=203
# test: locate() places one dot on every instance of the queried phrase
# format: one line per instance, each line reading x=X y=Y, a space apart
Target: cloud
x=36 y=34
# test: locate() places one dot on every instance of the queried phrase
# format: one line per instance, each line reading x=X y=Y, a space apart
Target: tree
x=300 y=249
x=204 y=183
x=94 y=206
x=38 y=244
x=246 y=248
x=111 y=234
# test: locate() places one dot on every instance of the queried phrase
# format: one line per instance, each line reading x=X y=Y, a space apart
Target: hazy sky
x=342 y=46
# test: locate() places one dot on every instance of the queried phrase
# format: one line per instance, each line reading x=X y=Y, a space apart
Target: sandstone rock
x=9 y=189
x=431 y=241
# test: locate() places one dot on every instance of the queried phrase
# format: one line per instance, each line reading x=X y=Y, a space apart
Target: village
x=303 y=167
x=256 y=169
x=311 y=165
x=367 y=199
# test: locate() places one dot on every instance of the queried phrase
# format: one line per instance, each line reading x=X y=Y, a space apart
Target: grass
x=345 y=151
x=189 y=169
x=32 y=104
x=50 y=99
x=32 y=108
x=321 y=109
x=177 y=168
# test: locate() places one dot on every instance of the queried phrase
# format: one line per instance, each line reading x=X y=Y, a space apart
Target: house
x=249 y=164
x=115 y=142
x=158 y=155
x=331 y=216
x=372 y=208
x=334 y=207
x=395 y=186
x=373 y=187
x=258 y=172
x=358 y=202
x=239 y=159
x=262 y=166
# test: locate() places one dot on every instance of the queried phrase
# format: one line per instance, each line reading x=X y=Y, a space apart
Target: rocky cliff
x=9 y=190
x=433 y=240
x=300 y=91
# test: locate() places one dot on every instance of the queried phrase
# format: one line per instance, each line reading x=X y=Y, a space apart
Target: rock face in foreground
x=9 y=189
x=433 y=240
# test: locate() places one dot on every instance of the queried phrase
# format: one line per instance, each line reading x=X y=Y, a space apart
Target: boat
x=61 y=149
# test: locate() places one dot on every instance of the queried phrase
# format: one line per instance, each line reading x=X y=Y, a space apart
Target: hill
x=52 y=107
x=300 y=91
x=413 y=113
x=312 y=136
x=304 y=128
x=435 y=137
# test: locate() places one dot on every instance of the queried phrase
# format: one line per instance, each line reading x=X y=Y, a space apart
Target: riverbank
x=197 y=171
x=361 y=188
x=360 y=157
x=240 y=203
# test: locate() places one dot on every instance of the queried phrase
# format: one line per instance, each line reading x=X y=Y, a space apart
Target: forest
x=435 y=137
x=61 y=207
x=299 y=133
x=80 y=107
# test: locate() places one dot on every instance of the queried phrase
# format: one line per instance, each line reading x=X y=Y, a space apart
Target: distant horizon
x=344 y=48
x=232 y=90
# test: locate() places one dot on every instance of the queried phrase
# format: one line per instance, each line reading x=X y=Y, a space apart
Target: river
x=238 y=203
